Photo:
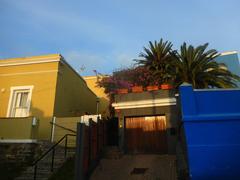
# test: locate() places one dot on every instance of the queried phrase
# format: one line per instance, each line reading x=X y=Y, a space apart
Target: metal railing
x=62 y=127
x=52 y=149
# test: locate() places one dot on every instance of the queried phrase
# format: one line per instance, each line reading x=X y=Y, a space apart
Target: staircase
x=44 y=165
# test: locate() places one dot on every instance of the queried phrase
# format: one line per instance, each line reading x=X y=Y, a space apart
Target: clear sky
x=104 y=35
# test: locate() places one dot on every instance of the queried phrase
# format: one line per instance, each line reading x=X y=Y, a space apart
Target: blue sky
x=107 y=34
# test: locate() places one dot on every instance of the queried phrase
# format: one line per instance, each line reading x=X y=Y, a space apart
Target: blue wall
x=211 y=120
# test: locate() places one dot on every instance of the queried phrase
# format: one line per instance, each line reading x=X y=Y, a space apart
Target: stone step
x=43 y=170
x=31 y=178
x=44 y=165
x=41 y=174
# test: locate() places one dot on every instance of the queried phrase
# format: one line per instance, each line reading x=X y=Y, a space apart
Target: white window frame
x=10 y=102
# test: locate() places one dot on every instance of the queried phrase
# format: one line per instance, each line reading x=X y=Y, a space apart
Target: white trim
x=94 y=77
x=12 y=89
x=18 y=140
x=29 y=62
x=26 y=73
x=145 y=103
x=228 y=53
x=89 y=77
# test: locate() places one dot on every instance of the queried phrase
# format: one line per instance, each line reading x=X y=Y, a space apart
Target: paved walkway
x=137 y=167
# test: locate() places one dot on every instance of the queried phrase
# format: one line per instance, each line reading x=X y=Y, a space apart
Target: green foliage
x=197 y=66
x=157 y=59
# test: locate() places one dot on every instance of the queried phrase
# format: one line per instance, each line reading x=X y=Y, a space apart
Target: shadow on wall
x=38 y=113
x=44 y=128
x=104 y=106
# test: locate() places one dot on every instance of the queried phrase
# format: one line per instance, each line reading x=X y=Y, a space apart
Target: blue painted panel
x=218 y=102
x=211 y=120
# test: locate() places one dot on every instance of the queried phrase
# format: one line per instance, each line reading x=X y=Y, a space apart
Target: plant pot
x=166 y=86
x=137 y=89
x=122 y=91
x=152 y=88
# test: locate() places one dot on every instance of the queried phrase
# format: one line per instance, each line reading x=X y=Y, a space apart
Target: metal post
x=79 y=166
x=53 y=154
x=66 y=142
x=35 y=172
x=53 y=128
x=90 y=142
x=98 y=124
x=98 y=105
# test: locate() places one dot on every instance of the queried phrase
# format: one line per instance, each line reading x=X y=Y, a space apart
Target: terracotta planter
x=122 y=91
x=152 y=88
x=166 y=86
x=137 y=89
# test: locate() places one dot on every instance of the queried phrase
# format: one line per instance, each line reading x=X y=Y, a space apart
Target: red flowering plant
x=111 y=84
x=126 y=78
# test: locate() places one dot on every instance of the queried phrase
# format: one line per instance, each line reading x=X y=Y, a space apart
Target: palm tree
x=197 y=66
x=156 y=59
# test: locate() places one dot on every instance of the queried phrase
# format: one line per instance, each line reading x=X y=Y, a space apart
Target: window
x=20 y=101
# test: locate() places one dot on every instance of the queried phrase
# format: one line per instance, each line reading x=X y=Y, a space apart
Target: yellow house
x=92 y=82
x=43 y=87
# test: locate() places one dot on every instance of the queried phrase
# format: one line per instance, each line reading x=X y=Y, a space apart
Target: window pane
x=24 y=97
x=18 y=100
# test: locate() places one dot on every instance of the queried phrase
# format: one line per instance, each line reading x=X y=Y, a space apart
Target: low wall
x=18 y=129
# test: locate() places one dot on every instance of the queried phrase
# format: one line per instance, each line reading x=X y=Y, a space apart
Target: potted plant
x=137 y=89
x=122 y=91
x=152 y=88
x=166 y=86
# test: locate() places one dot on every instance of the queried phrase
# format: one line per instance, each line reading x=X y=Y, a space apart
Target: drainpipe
x=97 y=105
x=53 y=128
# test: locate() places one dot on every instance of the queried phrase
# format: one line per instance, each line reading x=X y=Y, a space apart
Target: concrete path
x=137 y=167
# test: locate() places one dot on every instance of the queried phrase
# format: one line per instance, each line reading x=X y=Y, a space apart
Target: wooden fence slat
x=92 y=145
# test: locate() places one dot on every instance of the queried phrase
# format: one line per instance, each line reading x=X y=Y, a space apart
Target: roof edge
x=30 y=60
x=228 y=53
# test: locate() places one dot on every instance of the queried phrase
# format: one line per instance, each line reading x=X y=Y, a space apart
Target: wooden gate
x=146 y=134
x=91 y=140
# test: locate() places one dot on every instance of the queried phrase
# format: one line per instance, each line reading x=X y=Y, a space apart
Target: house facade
x=147 y=121
x=41 y=87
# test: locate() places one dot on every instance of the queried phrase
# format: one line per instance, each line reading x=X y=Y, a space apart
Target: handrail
x=63 y=127
x=52 y=148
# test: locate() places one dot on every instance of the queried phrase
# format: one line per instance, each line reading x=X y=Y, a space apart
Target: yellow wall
x=69 y=123
x=99 y=91
x=43 y=77
x=73 y=97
